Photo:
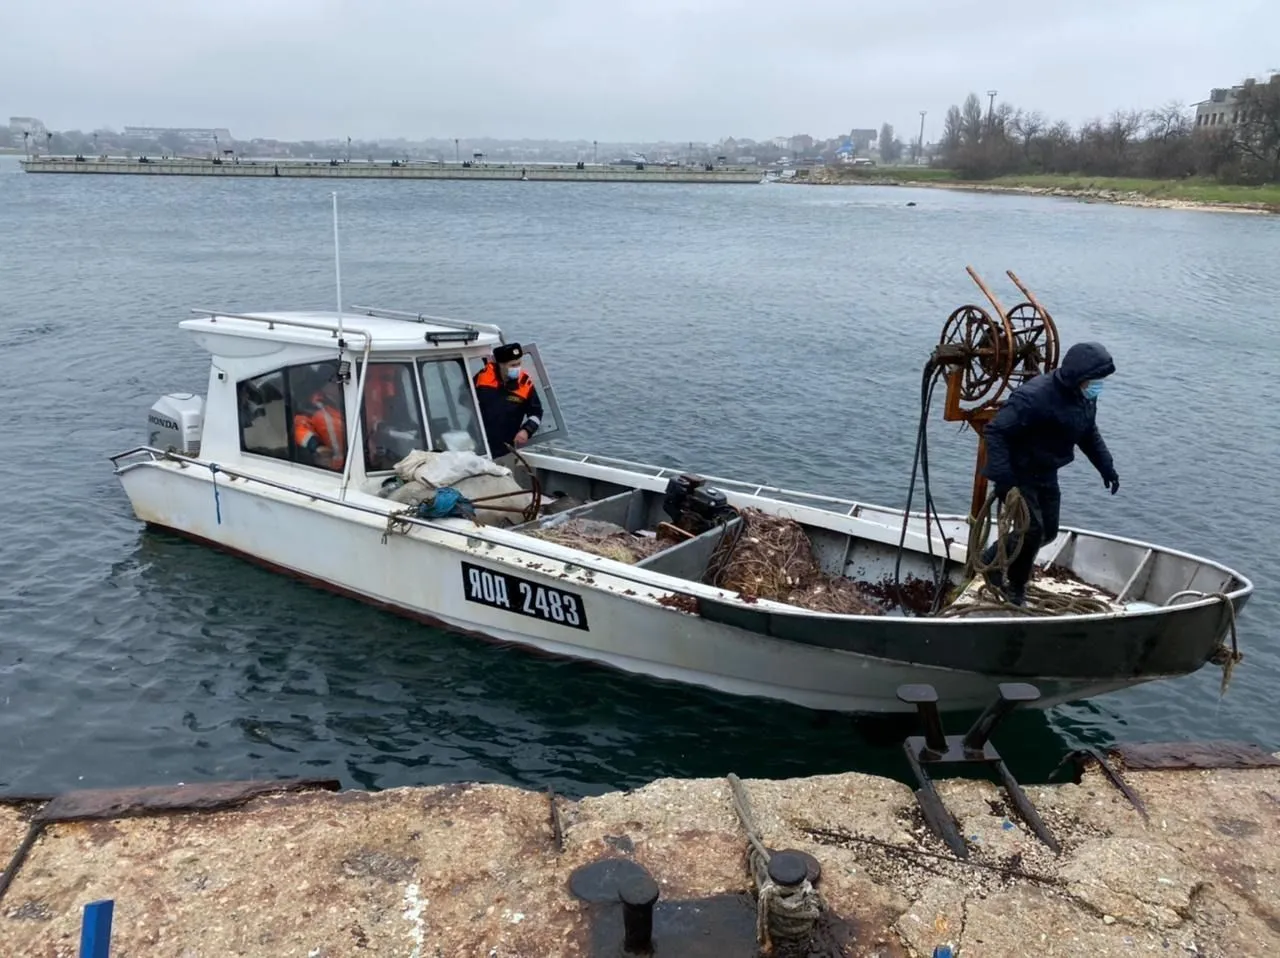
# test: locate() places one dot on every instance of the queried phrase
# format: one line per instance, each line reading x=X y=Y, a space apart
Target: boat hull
x=424 y=575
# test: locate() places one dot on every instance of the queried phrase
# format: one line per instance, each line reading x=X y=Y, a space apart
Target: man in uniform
x=509 y=403
x=1031 y=438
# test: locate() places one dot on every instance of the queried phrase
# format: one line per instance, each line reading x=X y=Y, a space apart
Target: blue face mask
x=513 y=372
x=1091 y=391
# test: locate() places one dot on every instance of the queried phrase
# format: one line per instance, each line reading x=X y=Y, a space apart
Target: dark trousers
x=1044 y=504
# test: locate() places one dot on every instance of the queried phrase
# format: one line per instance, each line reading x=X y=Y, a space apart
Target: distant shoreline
x=1148 y=194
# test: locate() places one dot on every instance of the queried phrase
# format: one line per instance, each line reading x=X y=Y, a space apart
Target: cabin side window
x=296 y=414
x=391 y=416
x=264 y=415
x=319 y=415
x=452 y=417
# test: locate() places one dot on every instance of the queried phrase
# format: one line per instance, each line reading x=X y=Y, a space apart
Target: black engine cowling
x=694 y=506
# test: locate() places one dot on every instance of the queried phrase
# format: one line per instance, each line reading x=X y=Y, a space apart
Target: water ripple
x=771 y=333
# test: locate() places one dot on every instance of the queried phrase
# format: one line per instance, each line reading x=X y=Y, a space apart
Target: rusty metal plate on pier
x=1152 y=756
x=156 y=799
x=722 y=926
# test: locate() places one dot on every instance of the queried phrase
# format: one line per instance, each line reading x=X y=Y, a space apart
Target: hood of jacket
x=1082 y=362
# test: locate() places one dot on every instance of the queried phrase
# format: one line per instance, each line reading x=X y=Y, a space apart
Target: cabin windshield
x=452 y=418
x=391 y=415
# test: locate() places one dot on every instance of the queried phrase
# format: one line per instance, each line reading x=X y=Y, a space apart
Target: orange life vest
x=487 y=378
x=380 y=391
x=325 y=424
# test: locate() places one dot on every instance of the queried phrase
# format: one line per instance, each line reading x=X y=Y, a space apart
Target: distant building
x=801 y=143
x=1222 y=107
x=19 y=125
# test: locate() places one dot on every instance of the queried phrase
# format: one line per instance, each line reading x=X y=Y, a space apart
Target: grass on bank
x=1194 y=190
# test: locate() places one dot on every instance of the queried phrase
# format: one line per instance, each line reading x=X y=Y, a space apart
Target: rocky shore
x=832 y=177
x=490 y=871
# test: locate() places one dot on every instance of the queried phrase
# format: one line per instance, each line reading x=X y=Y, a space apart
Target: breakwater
x=391 y=170
x=1174 y=855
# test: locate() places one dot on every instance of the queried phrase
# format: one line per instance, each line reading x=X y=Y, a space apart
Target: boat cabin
x=371 y=385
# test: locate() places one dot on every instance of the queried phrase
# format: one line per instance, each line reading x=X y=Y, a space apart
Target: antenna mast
x=337 y=264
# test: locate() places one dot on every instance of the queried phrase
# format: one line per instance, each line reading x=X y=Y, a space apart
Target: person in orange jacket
x=509 y=403
x=319 y=430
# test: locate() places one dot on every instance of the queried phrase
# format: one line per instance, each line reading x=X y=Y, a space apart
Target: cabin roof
x=320 y=328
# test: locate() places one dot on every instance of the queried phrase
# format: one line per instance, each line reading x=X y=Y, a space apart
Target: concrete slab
x=477 y=871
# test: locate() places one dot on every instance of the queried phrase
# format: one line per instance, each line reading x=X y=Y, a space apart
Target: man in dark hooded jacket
x=1033 y=436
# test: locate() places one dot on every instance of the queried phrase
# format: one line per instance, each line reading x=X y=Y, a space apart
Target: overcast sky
x=609 y=69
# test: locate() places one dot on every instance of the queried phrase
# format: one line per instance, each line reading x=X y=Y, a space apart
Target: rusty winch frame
x=983 y=357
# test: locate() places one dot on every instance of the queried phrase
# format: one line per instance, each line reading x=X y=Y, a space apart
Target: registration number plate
x=501 y=590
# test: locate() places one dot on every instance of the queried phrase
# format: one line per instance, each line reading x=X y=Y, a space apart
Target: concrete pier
x=491 y=871
x=388 y=170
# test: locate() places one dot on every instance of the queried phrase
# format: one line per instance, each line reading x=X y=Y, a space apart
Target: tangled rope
x=770 y=557
x=782 y=914
x=398 y=522
x=1227 y=658
x=1013 y=522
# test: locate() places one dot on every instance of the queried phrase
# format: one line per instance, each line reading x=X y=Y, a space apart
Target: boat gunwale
x=698 y=590
x=1247 y=588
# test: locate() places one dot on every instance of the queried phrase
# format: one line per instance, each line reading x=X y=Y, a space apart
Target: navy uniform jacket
x=506 y=408
x=1036 y=431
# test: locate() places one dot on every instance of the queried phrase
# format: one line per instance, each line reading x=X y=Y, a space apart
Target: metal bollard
x=638 y=894
x=925 y=699
x=1012 y=694
x=787 y=870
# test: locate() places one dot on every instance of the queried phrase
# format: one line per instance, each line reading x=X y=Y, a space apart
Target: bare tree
x=1257 y=131
x=1162 y=142
x=1168 y=122
x=1027 y=127
x=972 y=120
x=890 y=148
x=952 y=130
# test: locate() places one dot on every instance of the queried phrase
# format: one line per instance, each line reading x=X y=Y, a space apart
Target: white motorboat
x=225 y=469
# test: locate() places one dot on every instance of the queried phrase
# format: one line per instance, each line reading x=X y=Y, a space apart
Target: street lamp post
x=991 y=106
x=920 y=147
x=457 y=157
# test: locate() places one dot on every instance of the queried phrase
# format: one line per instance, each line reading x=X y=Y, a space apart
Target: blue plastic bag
x=447 y=502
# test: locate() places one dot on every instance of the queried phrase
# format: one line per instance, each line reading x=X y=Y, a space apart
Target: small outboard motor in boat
x=174 y=423
x=694 y=506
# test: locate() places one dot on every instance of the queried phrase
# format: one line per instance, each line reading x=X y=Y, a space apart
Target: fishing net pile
x=600 y=538
x=771 y=558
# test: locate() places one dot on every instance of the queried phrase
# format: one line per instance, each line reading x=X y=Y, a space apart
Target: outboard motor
x=174 y=423
x=695 y=506
x=678 y=489
x=710 y=506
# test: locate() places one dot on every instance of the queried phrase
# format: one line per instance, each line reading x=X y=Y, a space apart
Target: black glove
x=1001 y=491
x=1112 y=482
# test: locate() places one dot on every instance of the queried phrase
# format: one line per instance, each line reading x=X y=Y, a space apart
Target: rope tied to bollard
x=783 y=912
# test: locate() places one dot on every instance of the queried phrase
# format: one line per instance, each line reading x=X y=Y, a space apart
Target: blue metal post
x=95 y=931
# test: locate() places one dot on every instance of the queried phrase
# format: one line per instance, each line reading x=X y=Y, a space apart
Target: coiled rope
x=1226 y=657
x=783 y=914
x=1013 y=521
